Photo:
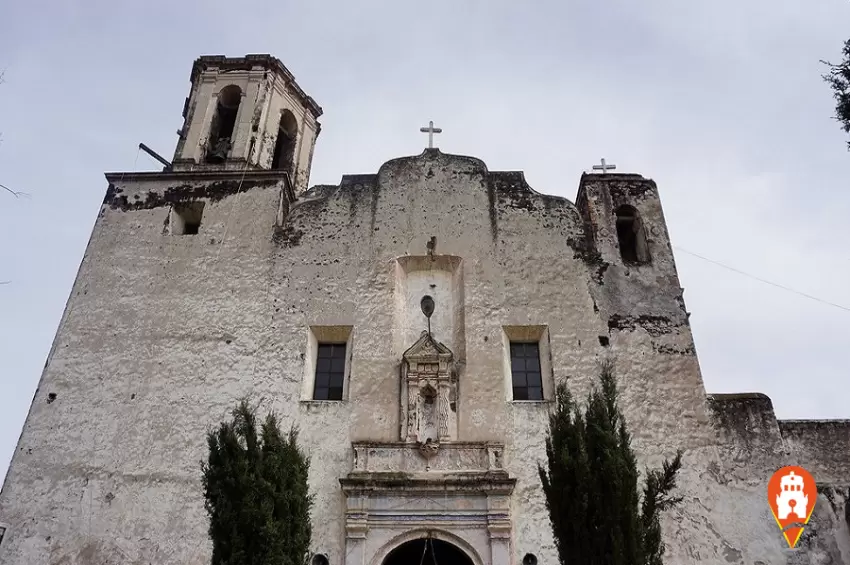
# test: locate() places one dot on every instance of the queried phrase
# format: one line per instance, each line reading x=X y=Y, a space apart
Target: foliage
x=838 y=79
x=591 y=484
x=255 y=485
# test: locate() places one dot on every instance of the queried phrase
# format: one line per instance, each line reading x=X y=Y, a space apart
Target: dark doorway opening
x=223 y=124
x=631 y=236
x=427 y=551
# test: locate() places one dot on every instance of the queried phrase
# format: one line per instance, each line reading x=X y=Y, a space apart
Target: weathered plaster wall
x=163 y=333
x=156 y=342
x=725 y=489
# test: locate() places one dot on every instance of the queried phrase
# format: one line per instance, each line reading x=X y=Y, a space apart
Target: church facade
x=413 y=323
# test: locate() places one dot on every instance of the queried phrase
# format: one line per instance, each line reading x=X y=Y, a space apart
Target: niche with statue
x=428 y=391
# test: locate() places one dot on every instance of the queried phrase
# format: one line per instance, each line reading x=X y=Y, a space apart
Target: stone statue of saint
x=428 y=422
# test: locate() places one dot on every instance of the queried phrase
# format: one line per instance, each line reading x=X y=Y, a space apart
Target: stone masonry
x=212 y=280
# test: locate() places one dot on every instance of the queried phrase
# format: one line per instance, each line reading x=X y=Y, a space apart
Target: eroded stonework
x=164 y=331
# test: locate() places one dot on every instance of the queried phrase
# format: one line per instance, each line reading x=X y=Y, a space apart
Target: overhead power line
x=765 y=281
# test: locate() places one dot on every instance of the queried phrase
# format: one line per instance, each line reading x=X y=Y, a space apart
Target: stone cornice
x=247 y=63
x=491 y=482
x=199 y=175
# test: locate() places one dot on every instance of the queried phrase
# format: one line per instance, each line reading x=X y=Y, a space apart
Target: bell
x=217 y=151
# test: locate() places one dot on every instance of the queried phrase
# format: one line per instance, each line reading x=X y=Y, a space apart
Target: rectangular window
x=525 y=371
x=330 y=371
x=327 y=363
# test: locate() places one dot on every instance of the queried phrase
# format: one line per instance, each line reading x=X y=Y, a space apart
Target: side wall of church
x=156 y=343
x=725 y=517
x=162 y=334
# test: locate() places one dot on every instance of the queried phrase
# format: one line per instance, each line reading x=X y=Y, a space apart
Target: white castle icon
x=792 y=499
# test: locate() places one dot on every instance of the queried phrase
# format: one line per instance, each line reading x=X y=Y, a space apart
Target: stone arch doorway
x=427 y=551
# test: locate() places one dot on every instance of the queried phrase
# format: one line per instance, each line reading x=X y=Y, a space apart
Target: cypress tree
x=591 y=487
x=255 y=486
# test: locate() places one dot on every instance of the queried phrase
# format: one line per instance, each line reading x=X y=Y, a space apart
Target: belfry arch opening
x=223 y=124
x=631 y=236
x=427 y=551
x=284 y=147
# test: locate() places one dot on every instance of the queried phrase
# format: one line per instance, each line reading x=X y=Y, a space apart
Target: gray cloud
x=720 y=102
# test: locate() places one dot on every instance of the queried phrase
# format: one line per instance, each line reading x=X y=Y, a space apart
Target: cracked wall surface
x=163 y=333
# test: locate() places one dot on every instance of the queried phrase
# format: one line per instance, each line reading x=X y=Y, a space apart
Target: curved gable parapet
x=431 y=157
x=510 y=187
x=514 y=190
x=511 y=198
x=453 y=195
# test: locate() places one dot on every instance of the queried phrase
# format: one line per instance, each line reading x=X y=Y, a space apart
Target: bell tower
x=247 y=113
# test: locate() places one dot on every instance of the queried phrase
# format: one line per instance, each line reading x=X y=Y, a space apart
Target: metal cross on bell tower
x=431 y=130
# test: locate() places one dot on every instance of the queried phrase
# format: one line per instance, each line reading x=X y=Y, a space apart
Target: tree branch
x=16 y=194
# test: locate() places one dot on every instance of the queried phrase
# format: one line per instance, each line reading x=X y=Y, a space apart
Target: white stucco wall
x=162 y=334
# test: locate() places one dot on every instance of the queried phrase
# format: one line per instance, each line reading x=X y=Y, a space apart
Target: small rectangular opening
x=186 y=218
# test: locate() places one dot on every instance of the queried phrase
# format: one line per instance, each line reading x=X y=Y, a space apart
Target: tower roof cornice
x=249 y=62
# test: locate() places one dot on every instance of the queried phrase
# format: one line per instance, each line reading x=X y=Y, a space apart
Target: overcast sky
x=720 y=101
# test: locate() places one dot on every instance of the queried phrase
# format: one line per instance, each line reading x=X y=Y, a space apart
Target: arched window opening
x=284 y=147
x=631 y=236
x=223 y=124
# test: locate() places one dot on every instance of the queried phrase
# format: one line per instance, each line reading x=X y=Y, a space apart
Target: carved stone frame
x=427 y=366
x=470 y=510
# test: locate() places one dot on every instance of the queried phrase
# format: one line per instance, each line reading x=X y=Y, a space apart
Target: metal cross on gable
x=431 y=130
x=604 y=167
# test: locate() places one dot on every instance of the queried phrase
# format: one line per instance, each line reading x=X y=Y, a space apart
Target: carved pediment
x=428 y=395
x=427 y=350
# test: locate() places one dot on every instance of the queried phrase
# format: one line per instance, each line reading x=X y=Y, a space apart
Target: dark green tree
x=255 y=485
x=591 y=483
x=838 y=79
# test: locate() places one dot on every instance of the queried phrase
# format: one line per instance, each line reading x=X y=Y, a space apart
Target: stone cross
x=431 y=130
x=604 y=167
